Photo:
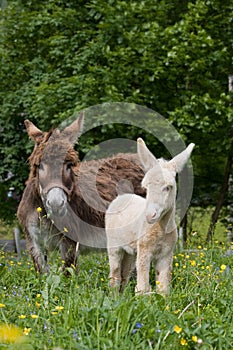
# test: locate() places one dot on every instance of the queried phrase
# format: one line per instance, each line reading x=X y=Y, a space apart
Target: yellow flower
x=22 y=316
x=194 y=338
x=26 y=331
x=183 y=342
x=65 y=229
x=176 y=311
x=54 y=313
x=38 y=295
x=38 y=304
x=59 y=308
x=193 y=262
x=10 y=334
x=2 y=305
x=177 y=329
x=34 y=316
x=39 y=210
x=223 y=267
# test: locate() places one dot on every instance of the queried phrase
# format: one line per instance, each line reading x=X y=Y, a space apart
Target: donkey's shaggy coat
x=73 y=195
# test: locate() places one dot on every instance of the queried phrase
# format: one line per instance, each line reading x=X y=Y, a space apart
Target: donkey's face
x=55 y=161
x=56 y=175
x=160 y=180
x=160 y=184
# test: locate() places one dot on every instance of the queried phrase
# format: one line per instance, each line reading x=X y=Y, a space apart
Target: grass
x=81 y=312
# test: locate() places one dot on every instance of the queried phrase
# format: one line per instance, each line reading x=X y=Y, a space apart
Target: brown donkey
x=64 y=202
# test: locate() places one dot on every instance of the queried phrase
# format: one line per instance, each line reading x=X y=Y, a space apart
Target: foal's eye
x=167 y=188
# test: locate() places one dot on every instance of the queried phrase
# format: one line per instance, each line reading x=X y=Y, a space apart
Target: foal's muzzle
x=56 y=202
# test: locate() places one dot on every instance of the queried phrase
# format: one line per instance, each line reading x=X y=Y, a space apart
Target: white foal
x=140 y=231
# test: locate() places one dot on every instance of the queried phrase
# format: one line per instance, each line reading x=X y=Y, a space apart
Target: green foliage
x=58 y=57
x=83 y=312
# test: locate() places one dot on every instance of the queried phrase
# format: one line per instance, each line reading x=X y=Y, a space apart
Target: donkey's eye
x=167 y=188
x=69 y=166
x=41 y=167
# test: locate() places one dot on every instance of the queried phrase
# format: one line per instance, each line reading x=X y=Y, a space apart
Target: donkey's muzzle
x=56 y=202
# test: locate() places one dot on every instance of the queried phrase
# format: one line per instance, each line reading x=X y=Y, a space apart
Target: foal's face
x=161 y=192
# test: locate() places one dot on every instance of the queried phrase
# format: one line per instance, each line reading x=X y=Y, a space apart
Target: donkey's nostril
x=62 y=203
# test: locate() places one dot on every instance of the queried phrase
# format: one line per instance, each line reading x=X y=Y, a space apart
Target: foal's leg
x=163 y=269
x=115 y=257
x=143 y=270
x=127 y=266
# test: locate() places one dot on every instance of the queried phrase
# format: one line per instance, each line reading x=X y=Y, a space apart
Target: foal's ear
x=34 y=133
x=74 y=130
x=179 y=161
x=147 y=159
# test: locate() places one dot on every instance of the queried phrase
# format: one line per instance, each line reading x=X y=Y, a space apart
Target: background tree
x=173 y=57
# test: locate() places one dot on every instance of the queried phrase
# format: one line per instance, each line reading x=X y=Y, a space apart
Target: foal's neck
x=167 y=222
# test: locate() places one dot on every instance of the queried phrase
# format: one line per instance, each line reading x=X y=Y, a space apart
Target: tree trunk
x=222 y=194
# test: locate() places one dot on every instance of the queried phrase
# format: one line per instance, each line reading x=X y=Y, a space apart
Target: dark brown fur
x=105 y=174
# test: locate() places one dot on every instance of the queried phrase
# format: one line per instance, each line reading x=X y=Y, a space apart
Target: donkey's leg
x=39 y=257
x=68 y=253
x=115 y=257
x=128 y=264
x=35 y=245
x=143 y=270
x=163 y=269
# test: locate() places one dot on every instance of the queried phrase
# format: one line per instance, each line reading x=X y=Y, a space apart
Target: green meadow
x=82 y=312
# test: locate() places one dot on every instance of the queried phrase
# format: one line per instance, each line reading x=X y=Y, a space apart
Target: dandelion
x=194 y=338
x=199 y=247
x=176 y=311
x=39 y=210
x=59 y=308
x=10 y=334
x=34 y=316
x=183 y=341
x=37 y=304
x=65 y=229
x=38 y=295
x=193 y=262
x=2 y=305
x=177 y=329
x=223 y=267
x=26 y=331
x=54 y=312
x=22 y=316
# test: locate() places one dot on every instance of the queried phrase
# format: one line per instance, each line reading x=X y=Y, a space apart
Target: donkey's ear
x=179 y=161
x=34 y=133
x=147 y=159
x=74 y=130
